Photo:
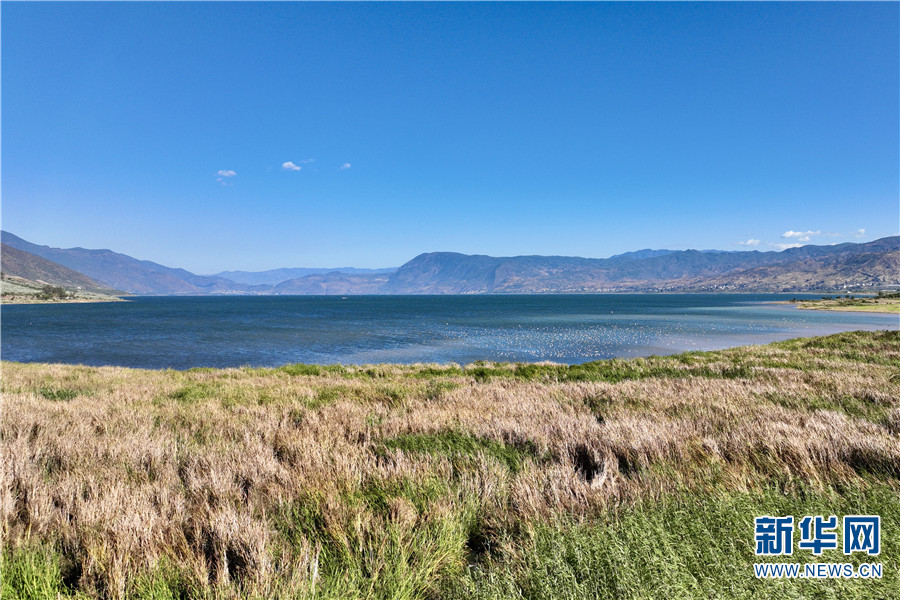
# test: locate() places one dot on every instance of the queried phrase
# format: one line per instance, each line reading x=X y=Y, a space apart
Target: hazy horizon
x=351 y=268
x=259 y=136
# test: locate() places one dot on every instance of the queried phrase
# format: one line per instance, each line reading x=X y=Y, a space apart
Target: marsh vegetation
x=886 y=302
x=615 y=479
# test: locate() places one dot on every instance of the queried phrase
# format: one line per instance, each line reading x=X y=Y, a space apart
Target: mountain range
x=30 y=267
x=862 y=266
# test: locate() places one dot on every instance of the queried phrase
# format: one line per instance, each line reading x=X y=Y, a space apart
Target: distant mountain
x=808 y=268
x=333 y=284
x=847 y=266
x=276 y=276
x=796 y=269
x=123 y=272
x=28 y=266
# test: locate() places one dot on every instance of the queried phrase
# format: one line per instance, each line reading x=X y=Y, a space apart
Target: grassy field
x=871 y=304
x=616 y=479
x=15 y=290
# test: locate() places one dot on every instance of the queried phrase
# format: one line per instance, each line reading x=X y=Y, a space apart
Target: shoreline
x=477 y=368
x=19 y=300
x=855 y=305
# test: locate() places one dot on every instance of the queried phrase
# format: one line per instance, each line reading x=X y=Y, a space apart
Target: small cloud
x=750 y=242
x=800 y=236
x=859 y=233
x=344 y=166
x=290 y=166
x=222 y=176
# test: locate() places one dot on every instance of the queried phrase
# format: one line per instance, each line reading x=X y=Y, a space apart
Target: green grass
x=684 y=546
x=370 y=554
x=865 y=347
x=40 y=572
x=435 y=390
x=876 y=347
x=456 y=445
x=193 y=392
x=391 y=394
x=614 y=370
x=31 y=573
x=862 y=403
x=691 y=546
x=325 y=396
x=300 y=370
x=433 y=371
x=59 y=394
x=464 y=503
x=883 y=303
x=166 y=582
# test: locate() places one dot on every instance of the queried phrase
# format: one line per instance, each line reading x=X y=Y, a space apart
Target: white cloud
x=344 y=166
x=290 y=166
x=800 y=236
x=859 y=233
x=750 y=242
x=222 y=176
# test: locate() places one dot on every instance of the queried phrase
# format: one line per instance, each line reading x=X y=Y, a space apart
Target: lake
x=185 y=332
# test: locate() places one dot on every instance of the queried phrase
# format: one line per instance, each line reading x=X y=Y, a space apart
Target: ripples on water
x=268 y=331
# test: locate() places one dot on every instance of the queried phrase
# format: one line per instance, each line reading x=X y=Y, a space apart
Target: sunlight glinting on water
x=266 y=331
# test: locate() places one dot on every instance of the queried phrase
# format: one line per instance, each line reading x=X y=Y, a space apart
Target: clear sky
x=215 y=136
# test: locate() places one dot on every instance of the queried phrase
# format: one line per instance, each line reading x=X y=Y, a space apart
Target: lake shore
x=875 y=305
x=16 y=290
x=78 y=300
x=491 y=480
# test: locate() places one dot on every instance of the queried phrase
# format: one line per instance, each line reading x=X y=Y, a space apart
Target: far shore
x=872 y=304
x=30 y=300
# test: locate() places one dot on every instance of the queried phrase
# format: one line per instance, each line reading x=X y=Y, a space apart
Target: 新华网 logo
x=774 y=536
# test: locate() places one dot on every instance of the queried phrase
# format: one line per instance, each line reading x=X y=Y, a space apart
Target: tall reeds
x=385 y=481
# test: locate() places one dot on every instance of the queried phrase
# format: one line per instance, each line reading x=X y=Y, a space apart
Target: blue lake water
x=189 y=332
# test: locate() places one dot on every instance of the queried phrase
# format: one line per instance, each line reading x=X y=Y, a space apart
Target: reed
x=425 y=481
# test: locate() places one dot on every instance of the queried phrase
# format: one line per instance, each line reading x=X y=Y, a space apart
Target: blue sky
x=216 y=136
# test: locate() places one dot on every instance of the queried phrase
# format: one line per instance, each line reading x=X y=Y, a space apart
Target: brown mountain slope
x=18 y=263
x=808 y=268
x=865 y=270
x=126 y=273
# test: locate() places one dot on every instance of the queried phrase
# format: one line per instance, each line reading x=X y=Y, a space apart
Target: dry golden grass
x=129 y=472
